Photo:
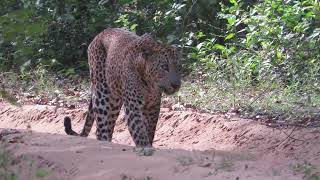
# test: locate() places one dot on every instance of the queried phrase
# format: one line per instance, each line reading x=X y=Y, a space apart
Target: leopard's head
x=162 y=64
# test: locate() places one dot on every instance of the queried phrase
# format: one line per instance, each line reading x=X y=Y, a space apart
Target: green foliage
x=5 y=161
x=57 y=33
x=19 y=38
x=307 y=169
x=285 y=37
x=272 y=41
x=54 y=33
x=8 y=97
x=41 y=173
x=234 y=46
x=265 y=61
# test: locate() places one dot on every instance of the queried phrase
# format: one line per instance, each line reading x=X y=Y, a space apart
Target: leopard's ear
x=148 y=36
x=146 y=44
x=178 y=51
x=146 y=53
x=145 y=39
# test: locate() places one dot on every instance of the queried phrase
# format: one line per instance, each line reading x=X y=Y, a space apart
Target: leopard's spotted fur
x=129 y=70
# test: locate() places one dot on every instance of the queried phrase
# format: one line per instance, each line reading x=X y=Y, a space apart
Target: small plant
x=185 y=160
x=307 y=169
x=146 y=151
x=266 y=62
x=5 y=162
x=41 y=173
x=210 y=173
x=225 y=164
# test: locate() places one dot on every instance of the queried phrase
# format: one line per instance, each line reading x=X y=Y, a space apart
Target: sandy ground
x=189 y=145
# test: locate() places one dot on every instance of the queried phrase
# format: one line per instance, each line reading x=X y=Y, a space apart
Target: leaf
x=200 y=34
x=178 y=18
x=231 y=20
x=309 y=14
x=70 y=71
x=133 y=27
x=219 y=46
x=171 y=38
x=181 y=6
x=8 y=97
x=189 y=42
x=234 y=2
x=278 y=54
x=199 y=46
x=103 y=2
x=230 y=36
x=42 y=173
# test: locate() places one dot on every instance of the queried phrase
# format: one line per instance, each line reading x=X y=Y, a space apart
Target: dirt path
x=223 y=147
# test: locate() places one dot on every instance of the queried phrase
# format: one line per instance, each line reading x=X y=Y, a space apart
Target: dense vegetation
x=257 y=56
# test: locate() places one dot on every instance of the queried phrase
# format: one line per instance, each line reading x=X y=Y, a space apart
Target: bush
x=57 y=33
x=271 y=42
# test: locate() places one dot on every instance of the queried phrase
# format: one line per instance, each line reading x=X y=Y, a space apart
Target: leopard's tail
x=87 y=125
x=68 y=127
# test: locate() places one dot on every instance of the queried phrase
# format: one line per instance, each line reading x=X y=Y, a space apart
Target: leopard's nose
x=175 y=80
x=175 y=85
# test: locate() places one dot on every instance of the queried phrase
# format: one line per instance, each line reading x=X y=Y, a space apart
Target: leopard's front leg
x=137 y=125
x=151 y=113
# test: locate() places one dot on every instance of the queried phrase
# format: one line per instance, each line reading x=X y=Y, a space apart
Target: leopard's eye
x=179 y=68
x=165 y=67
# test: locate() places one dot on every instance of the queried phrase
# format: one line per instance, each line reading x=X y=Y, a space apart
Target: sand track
x=192 y=145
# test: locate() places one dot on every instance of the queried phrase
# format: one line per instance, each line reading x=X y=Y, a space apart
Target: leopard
x=131 y=72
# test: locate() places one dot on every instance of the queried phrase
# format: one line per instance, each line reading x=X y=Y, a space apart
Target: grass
x=6 y=164
x=307 y=169
x=272 y=102
x=147 y=151
x=225 y=164
x=5 y=161
x=185 y=160
x=42 y=87
x=269 y=101
x=41 y=173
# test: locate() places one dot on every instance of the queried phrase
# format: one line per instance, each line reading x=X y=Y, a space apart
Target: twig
x=290 y=137
x=286 y=137
x=184 y=19
x=259 y=96
x=4 y=73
